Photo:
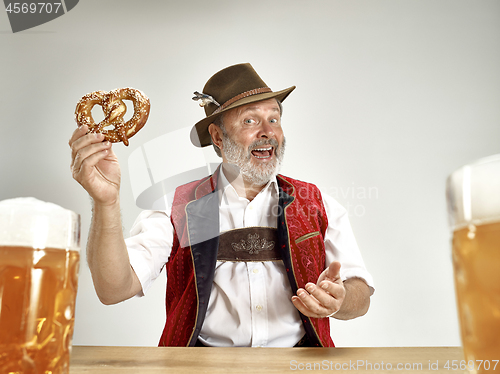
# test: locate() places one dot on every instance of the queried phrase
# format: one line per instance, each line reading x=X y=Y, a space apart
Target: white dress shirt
x=250 y=302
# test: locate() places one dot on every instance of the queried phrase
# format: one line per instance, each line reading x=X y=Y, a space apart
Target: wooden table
x=148 y=360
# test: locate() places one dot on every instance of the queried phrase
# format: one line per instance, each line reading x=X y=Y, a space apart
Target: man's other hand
x=324 y=298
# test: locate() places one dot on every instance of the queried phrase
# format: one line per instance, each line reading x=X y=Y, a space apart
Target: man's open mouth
x=264 y=152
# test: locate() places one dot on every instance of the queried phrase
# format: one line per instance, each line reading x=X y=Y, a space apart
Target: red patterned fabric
x=305 y=224
x=305 y=216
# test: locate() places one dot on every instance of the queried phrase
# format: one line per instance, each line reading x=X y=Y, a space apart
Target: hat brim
x=200 y=136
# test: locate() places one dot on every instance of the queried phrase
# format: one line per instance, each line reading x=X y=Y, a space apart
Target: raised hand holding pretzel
x=95 y=166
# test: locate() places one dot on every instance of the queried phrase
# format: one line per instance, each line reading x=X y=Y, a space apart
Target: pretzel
x=113 y=126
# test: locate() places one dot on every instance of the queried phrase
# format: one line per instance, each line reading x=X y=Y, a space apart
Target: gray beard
x=256 y=175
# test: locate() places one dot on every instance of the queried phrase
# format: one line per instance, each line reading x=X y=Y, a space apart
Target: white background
x=391 y=97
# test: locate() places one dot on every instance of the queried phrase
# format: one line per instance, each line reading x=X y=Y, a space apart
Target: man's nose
x=266 y=130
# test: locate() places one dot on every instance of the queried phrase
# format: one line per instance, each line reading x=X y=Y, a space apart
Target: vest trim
x=195 y=281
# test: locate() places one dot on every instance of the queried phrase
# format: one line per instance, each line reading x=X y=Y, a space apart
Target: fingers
x=79 y=132
x=86 y=149
x=309 y=307
x=81 y=139
x=319 y=301
x=89 y=157
x=333 y=271
x=75 y=142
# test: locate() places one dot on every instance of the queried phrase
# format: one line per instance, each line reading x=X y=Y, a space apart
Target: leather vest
x=302 y=224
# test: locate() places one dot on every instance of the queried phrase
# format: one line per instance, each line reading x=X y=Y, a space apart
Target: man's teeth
x=269 y=149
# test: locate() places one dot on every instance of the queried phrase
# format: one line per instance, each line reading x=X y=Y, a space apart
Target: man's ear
x=216 y=134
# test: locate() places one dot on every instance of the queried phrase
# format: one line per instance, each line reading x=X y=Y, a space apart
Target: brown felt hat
x=230 y=88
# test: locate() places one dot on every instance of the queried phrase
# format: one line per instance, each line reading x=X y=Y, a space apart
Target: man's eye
x=274 y=120
x=249 y=121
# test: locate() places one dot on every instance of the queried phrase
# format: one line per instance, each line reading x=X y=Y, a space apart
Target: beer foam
x=472 y=193
x=27 y=221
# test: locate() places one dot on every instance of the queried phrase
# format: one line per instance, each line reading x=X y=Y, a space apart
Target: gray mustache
x=260 y=143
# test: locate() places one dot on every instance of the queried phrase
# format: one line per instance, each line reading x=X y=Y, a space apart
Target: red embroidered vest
x=302 y=224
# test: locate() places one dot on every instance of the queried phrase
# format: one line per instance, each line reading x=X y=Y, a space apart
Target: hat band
x=241 y=96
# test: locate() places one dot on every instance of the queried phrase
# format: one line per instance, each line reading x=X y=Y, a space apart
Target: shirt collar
x=226 y=187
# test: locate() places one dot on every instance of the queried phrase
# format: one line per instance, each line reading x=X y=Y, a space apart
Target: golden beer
x=476 y=261
x=39 y=263
x=37 y=303
x=473 y=200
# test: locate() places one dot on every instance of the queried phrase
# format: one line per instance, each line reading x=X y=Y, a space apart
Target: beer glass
x=39 y=263
x=473 y=196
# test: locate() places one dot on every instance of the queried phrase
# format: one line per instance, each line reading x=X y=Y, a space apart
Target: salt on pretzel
x=113 y=126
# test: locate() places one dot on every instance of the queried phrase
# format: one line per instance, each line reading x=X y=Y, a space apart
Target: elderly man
x=253 y=258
